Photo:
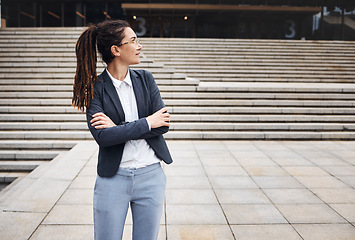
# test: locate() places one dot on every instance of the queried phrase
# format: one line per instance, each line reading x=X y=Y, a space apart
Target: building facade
x=272 y=19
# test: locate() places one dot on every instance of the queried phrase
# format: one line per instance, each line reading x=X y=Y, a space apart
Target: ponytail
x=106 y=34
x=85 y=75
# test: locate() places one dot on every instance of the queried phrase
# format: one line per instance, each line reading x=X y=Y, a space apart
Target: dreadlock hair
x=104 y=35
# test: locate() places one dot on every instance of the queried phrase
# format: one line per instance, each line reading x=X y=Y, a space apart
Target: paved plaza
x=223 y=190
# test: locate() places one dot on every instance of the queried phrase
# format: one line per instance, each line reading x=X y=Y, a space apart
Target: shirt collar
x=117 y=83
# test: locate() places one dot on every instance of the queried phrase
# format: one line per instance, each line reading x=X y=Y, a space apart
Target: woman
x=127 y=117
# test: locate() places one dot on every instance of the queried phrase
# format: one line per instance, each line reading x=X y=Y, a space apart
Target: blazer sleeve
x=114 y=135
x=156 y=104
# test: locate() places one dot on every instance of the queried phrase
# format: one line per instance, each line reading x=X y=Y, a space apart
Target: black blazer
x=111 y=140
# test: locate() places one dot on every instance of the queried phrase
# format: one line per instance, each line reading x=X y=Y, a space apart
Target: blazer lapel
x=139 y=94
x=111 y=91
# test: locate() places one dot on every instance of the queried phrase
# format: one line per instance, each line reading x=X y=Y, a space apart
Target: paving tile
x=179 y=145
x=241 y=196
x=208 y=145
x=225 y=171
x=320 y=182
x=253 y=214
x=199 y=232
x=188 y=182
x=77 y=197
x=252 y=161
x=186 y=161
x=19 y=225
x=40 y=196
x=347 y=211
x=194 y=214
x=335 y=195
x=88 y=171
x=67 y=232
x=309 y=213
x=70 y=214
x=181 y=154
x=127 y=233
x=347 y=170
x=83 y=182
x=265 y=232
x=269 y=145
x=348 y=180
x=213 y=161
x=251 y=153
x=326 y=231
x=214 y=153
x=266 y=171
x=292 y=161
x=320 y=158
x=239 y=145
x=277 y=182
x=184 y=171
x=306 y=171
x=285 y=196
x=232 y=182
x=190 y=196
x=93 y=161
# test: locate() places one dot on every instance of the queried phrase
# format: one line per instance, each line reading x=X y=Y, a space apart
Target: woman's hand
x=100 y=121
x=159 y=118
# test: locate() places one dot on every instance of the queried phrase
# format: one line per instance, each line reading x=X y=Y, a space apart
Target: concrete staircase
x=261 y=89
x=215 y=89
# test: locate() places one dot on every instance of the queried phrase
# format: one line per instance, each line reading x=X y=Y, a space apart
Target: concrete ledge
x=41 y=189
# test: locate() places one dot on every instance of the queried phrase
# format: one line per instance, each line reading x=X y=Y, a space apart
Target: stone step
x=225 y=42
x=262 y=118
x=207 y=73
x=48 y=135
x=261 y=135
x=267 y=55
x=242 y=52
x=216 y=57
x=15 y=155
x=186 y=126
x=251 y=64
x=276 y=87
x=258 y=96
x=163 y=88
x=37 y=144
x=58 y=75
x=175 y=109
x=42 y=117
x=301 y=135
x=177 y=80
x=186 y=68
x=276 y=79
x=213 y=101
x=18 y=166
x=66 y=36
x=9 y=177
x=262 y=126
x=217 y=118
x=178 y=51
x=66 y=63
x=52 y=126
x=193 y=60
x=70 y=70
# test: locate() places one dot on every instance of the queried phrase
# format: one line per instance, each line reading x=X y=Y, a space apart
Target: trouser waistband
x=138 y=171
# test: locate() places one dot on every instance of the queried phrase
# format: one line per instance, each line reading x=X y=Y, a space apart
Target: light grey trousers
x=143 y=189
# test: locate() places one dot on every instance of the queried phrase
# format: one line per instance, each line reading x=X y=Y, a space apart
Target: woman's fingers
x=100 y=121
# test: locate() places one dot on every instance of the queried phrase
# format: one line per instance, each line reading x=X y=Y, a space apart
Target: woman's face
x=130 y=47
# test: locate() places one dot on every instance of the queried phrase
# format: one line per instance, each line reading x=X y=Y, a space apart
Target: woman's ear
x=115 y=51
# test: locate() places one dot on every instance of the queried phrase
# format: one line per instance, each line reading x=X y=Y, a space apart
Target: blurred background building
x=257 y=19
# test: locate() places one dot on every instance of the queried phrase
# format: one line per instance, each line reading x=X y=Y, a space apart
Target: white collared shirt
x=136 y=153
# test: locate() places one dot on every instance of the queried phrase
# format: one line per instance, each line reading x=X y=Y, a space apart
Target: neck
x=117 y=71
